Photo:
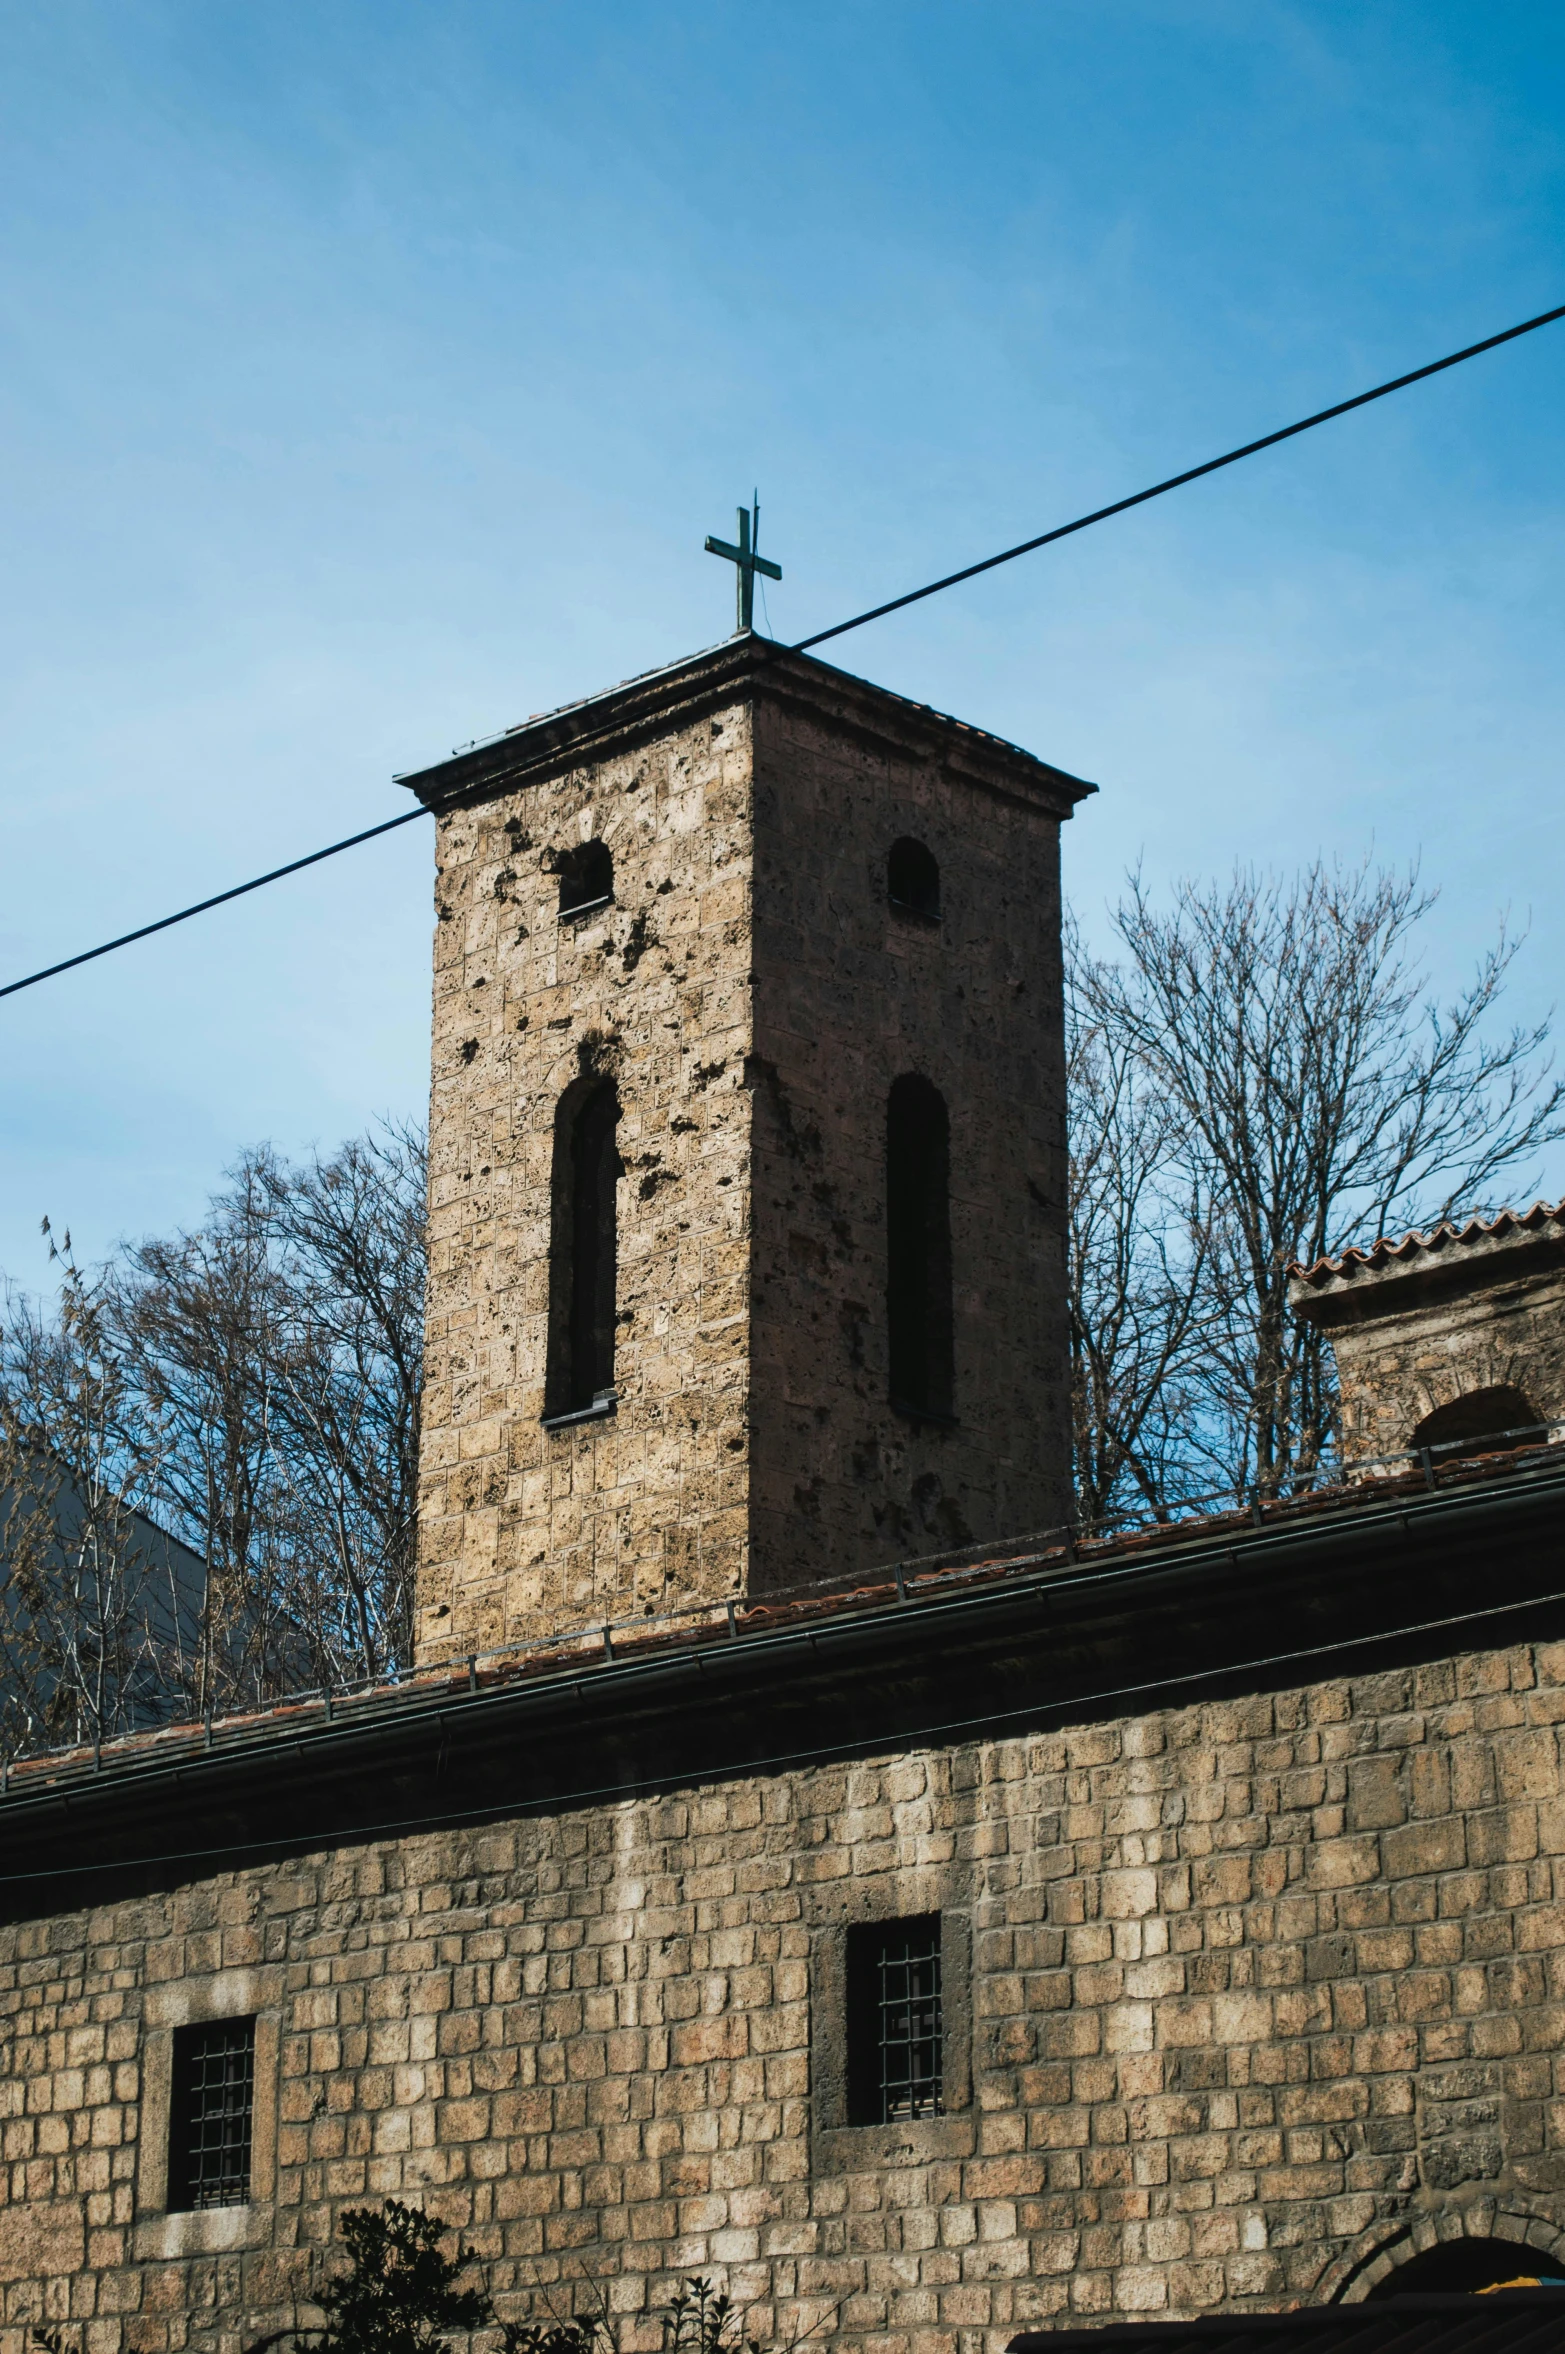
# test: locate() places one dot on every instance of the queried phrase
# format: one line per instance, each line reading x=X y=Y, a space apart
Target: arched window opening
x=913 y=879
x=586 y=878
x=918 y=1248
x=1498 y=1416
x=585 y=1254
x=1464 y=2267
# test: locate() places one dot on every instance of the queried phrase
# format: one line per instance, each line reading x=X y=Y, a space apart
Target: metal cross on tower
x=748 y=562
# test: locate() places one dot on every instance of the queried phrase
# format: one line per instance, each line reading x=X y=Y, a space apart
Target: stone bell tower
x=747 y=1148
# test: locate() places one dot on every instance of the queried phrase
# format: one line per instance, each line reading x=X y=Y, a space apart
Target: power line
x=218 y=899
x=1176 y=481
x=839 y=629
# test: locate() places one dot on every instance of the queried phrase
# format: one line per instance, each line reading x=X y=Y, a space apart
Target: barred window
x=895 y=2055
x=209 y=2119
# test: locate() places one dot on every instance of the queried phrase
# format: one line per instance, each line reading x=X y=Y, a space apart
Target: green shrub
x=399 y=2294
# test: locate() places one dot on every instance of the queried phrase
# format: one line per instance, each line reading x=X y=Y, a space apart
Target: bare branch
x=1315 y=1097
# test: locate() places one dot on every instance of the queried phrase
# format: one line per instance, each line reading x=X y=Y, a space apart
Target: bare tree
x=277 y=1350
x=194 y=1319
x=97 y=1608
x=346 y=1237
x=1318 y=1098
x=1138 y=1256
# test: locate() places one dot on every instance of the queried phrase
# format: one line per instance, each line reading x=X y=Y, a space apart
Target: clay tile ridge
x=1448 y=1236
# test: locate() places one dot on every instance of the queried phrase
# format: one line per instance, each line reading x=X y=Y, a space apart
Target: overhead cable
x=839 y=629
x=218 y=899
x=1177 y=481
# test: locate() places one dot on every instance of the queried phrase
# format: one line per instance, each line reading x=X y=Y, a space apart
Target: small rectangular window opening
x=213 y=2100
x=895 y=2037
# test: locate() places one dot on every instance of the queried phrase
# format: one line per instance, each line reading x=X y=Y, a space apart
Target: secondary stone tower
x=747 y=1148
x=1451 y=1339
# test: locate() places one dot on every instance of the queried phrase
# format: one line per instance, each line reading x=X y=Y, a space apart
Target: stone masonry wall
x=1396 y=1368
x=1262 y=1992
x=851 y=994
x=523 y=1531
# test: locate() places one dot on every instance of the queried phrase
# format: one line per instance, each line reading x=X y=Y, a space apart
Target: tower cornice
x=744 y=667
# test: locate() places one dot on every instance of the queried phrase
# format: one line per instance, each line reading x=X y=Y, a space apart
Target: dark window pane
x=918 y=1248
x=213 y=2098
x=913 y=878
x=593 y=1275
x=895 y=2056
x=584 y=1249
x=586 y=878
x=1481 y=1420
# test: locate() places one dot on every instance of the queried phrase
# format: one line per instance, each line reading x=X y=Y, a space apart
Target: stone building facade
x=1253 y=1977
x=1447 y=1338
x=1223 y=1864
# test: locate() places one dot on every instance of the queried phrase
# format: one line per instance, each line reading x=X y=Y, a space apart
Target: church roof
x=666 y=697
x=1125 y=1622
x=1419 y=1249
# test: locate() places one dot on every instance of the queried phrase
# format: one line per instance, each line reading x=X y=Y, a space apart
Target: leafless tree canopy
x=1138 y=1244
x=92 y=1628
x=252 y=1389
x=1259 y=1077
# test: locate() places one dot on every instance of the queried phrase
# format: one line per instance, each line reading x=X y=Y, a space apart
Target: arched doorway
x=1482 y=1419
x=1455 y=2267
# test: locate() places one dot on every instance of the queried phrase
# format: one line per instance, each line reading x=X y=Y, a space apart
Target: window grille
x=895 y=2035
x=213 y=2100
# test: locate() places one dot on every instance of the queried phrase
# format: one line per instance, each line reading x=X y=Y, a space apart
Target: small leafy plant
x=700 y=2320
x=577 y=2334
x=399 y=2295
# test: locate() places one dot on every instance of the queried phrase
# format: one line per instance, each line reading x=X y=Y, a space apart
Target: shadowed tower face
x=747 y=1149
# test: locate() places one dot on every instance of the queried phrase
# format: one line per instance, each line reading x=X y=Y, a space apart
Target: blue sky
x=372 y=374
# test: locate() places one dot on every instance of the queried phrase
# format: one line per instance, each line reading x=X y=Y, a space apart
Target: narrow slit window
x=918 y=1249
x=913 y=879
x=212 y=2105
x=896 y=2036
x=586 y=879
x=584 y=1274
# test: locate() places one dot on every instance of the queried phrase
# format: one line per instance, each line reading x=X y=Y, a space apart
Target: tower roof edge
x=746 y=663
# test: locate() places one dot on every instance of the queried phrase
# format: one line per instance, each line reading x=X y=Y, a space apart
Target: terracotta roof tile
x=1448 y=1236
